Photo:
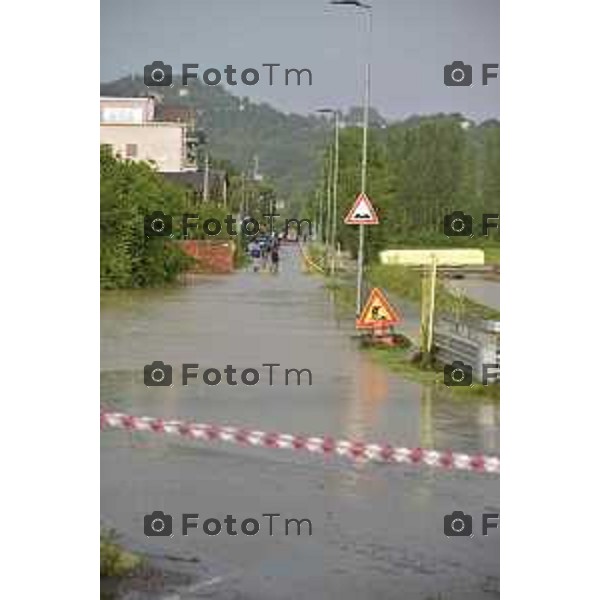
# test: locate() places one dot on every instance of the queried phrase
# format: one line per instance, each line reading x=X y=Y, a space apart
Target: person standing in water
x=275 y=257
x=255 y=254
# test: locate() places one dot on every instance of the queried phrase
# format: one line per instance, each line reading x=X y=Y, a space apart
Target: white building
x=127 y=125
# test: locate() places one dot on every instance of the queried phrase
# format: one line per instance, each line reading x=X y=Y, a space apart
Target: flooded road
x=483 y=291
x=377 y=530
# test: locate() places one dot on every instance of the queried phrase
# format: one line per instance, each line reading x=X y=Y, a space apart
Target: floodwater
x=377 y=530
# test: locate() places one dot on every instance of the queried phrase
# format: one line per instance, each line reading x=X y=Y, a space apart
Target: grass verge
x=404 y=362
x=406 y=283
x=114 y=561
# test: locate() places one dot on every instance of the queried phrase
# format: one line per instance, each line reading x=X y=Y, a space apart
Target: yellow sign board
x=450 y=257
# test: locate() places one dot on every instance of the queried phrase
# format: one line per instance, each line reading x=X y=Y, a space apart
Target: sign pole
x=431 y=305
x=359 y=260
x=424 y=310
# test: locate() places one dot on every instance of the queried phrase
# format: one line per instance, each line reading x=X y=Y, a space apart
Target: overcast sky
x=412 y=41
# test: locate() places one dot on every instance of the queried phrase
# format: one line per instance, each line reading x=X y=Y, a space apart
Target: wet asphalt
x=377 y=530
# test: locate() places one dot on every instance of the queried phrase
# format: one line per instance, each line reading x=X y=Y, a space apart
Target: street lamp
x=336 y=166
x=363 y=171
x=351 y=3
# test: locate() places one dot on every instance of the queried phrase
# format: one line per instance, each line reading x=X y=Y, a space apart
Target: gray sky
x=412 y=41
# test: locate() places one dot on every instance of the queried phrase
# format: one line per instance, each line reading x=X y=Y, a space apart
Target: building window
x=131 y=150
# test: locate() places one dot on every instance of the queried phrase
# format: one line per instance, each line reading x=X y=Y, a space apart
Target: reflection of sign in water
x=362 y=212
x=377 y=312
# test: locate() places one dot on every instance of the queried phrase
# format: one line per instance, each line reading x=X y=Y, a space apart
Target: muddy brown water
x=377 y=530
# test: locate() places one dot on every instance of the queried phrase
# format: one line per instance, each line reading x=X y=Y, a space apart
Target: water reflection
x=375 y=524
x=369 y=392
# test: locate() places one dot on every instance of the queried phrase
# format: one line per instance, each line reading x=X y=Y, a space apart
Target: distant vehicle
x=292 y=236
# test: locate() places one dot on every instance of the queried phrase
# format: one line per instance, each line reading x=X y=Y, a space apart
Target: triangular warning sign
x=377 y=312
x=362 y=212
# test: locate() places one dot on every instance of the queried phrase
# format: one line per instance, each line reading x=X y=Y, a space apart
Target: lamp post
x=334 y=186
x=328 y=178
x=319 y=197
x=366 y=8
x=206 y=178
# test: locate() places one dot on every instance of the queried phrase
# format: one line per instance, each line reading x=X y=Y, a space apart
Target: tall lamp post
x=334 y=186
x=328 y=178
x=366 y=8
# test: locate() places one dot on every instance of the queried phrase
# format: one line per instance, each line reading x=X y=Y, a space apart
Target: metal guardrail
x=476 y=344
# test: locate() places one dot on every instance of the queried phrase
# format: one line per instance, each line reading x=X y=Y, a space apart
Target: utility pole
x=320 y=197
x=333 y=166
x=243 y=207
x=336 y=168
x=328 y=220
x=205 y=190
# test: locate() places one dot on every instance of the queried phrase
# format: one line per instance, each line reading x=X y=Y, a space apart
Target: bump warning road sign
x=362 y=212
x=377 y=312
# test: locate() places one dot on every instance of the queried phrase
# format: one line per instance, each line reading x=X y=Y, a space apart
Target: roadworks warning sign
x=377 y=312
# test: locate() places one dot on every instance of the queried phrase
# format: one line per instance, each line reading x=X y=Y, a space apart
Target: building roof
x=142 y=124
x=126 y=98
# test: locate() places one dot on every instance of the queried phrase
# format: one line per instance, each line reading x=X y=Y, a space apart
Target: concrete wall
x=162 y=143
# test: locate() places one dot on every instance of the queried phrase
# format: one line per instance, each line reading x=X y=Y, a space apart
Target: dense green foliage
x=419 y=171
x=128 y=192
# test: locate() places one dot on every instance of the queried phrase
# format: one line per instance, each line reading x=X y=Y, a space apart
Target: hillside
x=289 y=147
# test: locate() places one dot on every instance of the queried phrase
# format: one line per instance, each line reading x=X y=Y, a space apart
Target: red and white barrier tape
x=357 y=451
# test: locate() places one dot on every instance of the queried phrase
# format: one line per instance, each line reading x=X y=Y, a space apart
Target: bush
x=114 y=561
x=128 y=192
